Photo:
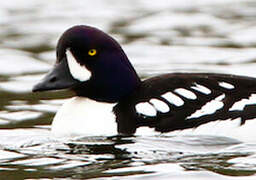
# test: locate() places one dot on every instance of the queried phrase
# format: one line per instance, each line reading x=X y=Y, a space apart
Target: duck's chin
x=82 y=116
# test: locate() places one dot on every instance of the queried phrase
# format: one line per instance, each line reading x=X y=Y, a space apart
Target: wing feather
x=226 y=89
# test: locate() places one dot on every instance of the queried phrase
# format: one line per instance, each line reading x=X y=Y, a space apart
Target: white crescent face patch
x=77 y=71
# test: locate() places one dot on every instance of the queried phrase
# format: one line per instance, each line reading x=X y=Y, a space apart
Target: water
x=159 y=37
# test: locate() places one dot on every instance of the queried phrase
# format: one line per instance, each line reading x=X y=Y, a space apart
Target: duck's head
x=92 y=64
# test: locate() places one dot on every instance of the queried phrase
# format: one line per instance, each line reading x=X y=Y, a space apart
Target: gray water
x=159 y=37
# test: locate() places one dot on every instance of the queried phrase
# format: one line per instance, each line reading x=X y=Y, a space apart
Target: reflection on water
x=159 y=37
x=107 y=157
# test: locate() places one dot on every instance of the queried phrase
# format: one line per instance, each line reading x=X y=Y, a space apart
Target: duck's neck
x=118 y=81
x=110 y=94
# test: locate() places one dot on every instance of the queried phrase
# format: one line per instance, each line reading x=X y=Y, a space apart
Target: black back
x=178 y=116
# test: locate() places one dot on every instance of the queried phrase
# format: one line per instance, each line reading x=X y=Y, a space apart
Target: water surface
x=159 y=37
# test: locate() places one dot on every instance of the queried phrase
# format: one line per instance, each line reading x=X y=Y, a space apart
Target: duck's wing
x=187 y=100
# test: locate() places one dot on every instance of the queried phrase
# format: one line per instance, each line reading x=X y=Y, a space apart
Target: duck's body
x=94 y=66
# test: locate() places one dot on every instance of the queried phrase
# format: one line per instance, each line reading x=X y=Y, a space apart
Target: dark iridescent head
x=92 y=64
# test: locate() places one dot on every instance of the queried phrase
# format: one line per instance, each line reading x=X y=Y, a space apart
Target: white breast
x=84 y=117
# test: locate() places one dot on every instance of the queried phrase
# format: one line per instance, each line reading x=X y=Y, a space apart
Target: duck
x=110 y=98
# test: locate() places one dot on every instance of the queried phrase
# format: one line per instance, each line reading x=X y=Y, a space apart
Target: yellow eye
x=92 y=52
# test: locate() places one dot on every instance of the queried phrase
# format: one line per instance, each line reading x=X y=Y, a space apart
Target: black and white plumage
x=180 y=116
x=95 y=67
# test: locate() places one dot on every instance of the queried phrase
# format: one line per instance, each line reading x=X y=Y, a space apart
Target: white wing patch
x=209 y=108
x=185 y=93
x=173 y=99
x=145 y=108
x=242 y=103
x=78 y=72
x=160 y=105
x=226 y=85
x=201 y=89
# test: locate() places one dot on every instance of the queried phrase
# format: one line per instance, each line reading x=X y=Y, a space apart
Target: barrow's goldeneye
x=94 y=66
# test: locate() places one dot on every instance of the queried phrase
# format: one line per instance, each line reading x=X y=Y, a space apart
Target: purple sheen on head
x=83 y=37
x=113 y=76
